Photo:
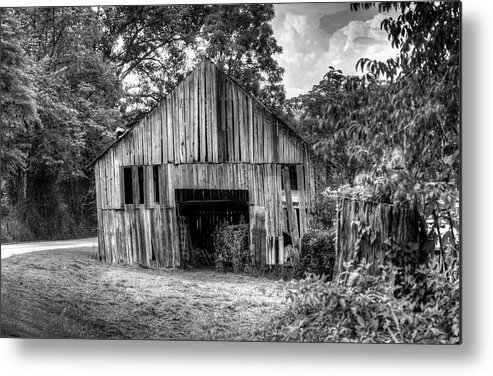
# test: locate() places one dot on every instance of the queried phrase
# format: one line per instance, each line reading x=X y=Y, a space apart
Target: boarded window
x=141 y=185
x=293 y=177
x=127 y=185
x=155 y=176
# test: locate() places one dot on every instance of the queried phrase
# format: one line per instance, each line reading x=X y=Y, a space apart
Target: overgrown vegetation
x=318 y=253
x=231 y=247
x=361 y=307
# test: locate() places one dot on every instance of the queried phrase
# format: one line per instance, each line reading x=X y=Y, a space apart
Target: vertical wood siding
x=207 y=134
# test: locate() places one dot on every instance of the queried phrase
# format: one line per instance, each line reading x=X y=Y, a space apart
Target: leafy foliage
x=360 y=307
x=18 y=99
x=240 y=40
x=318 y=250
x=154 y=47
x=75 y=94
x=231 y=247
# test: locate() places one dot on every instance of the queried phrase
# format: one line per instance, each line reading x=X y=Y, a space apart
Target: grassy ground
x=69 y=294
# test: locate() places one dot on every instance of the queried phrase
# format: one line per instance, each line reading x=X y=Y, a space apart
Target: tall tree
x=76 y=98
x=18 y=97
x=408 y=123
x=149 y=45
x=155 y=47
x=239 y=38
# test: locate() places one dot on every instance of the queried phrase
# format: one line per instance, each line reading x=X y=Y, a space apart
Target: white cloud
x=309 y=50
x=356 y=40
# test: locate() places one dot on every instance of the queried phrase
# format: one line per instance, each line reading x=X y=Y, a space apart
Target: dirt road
x=70 y=294
x=8 y=250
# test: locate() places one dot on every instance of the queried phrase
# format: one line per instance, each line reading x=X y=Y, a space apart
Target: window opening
x=141 y=185
x=127 y=185
x=293 y=177
x=155 y=176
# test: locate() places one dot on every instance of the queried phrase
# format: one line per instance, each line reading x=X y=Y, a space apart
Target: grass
x=69 y=294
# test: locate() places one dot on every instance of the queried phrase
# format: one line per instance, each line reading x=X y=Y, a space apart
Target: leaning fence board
x=385 y=222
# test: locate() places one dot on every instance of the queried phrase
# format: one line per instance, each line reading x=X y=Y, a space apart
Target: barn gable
x=208 y=135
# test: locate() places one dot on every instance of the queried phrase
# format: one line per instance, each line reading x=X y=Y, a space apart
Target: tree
x=407 y=121
x=240 y=40
x=18 y=97
x=406 y=127
x=155 y=47
x=76 y=96
x=149 y=46
x=319 y=112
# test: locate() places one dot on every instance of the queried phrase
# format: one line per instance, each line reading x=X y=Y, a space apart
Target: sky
x=315 y=36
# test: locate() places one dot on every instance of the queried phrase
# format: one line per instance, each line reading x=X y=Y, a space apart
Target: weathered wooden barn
x=209 y=152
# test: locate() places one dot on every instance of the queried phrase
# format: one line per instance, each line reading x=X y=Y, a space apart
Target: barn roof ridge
x=135 y=123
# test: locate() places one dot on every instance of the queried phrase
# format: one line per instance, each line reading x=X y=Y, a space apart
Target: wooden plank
x=128 y=236
x=148 y=235
x=133 y=230
x=148 y=186
x=144 y=129
x=277 y=170
x=236 y=125
x=266 y=137
x=260 y=137
x=194 y=97
x=188 y=120
x=208 y=109
x=169 y=131
x=229 y=121
x=293 y=222
x=162 y=132
x=171 y=184
x=213 y=109
x=202 y=114
x=251 y=133
x=175 y=126
x=246 y=129
x=181 y=124
x=221 y=121
x=176 y=255
x=275 y=142
x=243 y=140
x=280 y=240
x=260 y=235
x=301 y=195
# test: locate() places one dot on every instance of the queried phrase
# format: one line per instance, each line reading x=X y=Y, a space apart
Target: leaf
x=360 y=321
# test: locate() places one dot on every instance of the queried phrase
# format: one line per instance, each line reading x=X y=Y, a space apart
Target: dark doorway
x=201 y=211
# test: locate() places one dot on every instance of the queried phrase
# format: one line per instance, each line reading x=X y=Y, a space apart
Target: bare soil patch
x=69 y=294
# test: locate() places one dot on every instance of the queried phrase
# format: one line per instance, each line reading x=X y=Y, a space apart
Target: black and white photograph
x=242 y=172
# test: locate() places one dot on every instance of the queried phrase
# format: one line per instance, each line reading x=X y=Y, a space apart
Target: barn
x=209 y=152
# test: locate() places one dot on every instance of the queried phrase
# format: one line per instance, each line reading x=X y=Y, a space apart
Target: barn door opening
x=200 y=211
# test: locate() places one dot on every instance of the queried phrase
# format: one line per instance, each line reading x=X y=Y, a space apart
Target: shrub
x=13 y=229
x=359 y=307
x=318 y=252
x=231 y=247
x=324 y=211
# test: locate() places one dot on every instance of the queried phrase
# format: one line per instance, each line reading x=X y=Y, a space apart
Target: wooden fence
x=377 y=233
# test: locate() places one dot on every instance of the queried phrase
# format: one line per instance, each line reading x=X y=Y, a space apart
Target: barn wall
x=227 y=140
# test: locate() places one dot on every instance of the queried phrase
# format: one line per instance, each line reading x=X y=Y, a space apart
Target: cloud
x=356 y=40
x=317 y=35
x=367 y=41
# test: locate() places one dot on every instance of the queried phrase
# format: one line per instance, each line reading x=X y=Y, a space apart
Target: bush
x=14 y=230
x=231 y=247
x=318 y=253
x=359 y=307
x=324 y=211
